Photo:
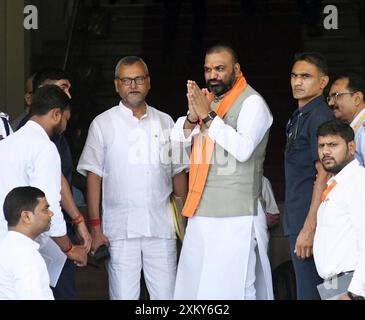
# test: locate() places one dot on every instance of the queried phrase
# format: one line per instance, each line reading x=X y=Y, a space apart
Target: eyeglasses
x=336 y=95
x=128 y=81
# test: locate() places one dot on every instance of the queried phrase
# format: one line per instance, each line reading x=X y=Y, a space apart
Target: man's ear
x=352 y=147
x=116 y=85
x=359 y=98
x=324 y=81
x=236 y=68
x=56 y=114
x=25 y=216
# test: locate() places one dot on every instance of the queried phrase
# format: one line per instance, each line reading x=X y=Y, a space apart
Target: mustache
x=209 y=82
x=327 y=158
x=134 y=91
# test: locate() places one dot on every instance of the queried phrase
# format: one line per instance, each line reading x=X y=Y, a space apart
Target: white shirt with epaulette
x=5 y=128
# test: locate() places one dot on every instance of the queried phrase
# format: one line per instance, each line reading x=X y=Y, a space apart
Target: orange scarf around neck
x=202 y=151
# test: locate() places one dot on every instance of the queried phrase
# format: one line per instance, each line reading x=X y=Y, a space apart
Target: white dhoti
x=218 y=260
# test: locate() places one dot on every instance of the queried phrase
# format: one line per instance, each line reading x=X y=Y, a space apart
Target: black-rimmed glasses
x=137 y=80
x=336 y=95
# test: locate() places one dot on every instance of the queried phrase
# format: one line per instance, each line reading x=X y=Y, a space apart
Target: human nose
x=297 y=80
x=326 y=150
x=133 y=83
x=50 y=213
x=213 y=75
x=331 y=102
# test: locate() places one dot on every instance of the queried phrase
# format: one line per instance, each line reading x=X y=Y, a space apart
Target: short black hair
x=48 y=75
x=356 y=82
x=47 y=98
x=223 y=47
x=20 y=199
x=314 y=58
x=334 y=128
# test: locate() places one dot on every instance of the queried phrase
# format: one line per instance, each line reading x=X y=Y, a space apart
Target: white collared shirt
x=253 y=122
x=359 y=138
x=23 y=272
x=131 y=156
x=339 y=242
x=29 y=158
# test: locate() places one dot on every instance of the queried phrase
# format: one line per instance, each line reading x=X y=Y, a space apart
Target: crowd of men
x=135 y=158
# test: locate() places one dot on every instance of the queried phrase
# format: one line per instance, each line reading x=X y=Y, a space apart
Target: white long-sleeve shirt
x=29 y=158
x=131 y=156
x=339 y=242
x=359 y=137
x=23 y=272
x=253 y=122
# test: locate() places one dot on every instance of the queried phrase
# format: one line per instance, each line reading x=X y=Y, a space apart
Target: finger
x=298 y=251
x=308 y=252
x=303 y=253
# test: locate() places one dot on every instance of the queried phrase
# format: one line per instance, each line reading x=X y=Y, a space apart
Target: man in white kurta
x=30 y=158
x=218 y=258
x=339 y=242
x=23 y=272
x=127 y=151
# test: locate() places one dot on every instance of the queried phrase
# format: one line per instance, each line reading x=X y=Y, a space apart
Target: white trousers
x=217 y=260
x=156 y=256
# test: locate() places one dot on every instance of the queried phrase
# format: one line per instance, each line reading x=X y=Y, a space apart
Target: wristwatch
x=353 y=297
x=192 y=122
x=211 y=115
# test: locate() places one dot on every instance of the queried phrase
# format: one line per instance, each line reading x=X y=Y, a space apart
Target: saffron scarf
x=203 y=148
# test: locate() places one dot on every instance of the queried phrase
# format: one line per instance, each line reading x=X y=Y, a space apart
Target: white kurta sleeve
x=46 y=175
x=179 y=156
x=177 y=133
x=92 y=156
x=253 y=122
x=356 y=208
x=268 y=195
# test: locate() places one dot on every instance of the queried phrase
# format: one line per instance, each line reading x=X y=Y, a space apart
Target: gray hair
x=128 y=61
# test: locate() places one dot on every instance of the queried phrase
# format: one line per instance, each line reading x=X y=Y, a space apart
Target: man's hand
x=85 y=236
x=304 y=244
x=78 y=255
x=192 y=114
x=198 y=99
x=98 y=239
x=272 y=219
x=344 y=297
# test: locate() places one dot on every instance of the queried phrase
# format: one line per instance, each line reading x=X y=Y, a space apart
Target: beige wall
x=12 y=61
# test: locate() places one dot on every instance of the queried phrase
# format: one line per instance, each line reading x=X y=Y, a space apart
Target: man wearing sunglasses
x=347 y=99
x=305 y=178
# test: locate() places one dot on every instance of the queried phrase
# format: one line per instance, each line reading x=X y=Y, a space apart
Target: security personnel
x=5 y=128
x=347 y=98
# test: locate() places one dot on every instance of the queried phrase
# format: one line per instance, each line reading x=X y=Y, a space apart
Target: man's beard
x=221 y=87
x=339 y=166
x=57 y=131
